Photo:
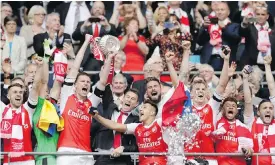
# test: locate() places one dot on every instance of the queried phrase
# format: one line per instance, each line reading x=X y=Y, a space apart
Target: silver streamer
x=184 y=132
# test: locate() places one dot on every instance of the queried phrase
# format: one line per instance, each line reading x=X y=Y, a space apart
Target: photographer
x=218 y=31
x=97 y=25
x=258 y=38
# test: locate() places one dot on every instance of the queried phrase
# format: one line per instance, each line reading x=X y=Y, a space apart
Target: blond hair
x=156 y=13
x=33 y=11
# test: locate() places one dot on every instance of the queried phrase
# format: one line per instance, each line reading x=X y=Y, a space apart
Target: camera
x=94 y=19
x=214 y=20
x=225 y=51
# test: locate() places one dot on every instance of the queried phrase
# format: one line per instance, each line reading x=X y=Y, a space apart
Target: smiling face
x=162 y=15
x=82 y=86
x=266 y=112
x=153 y=90
x=15 y=95
x=230 y=110
x=261 y=15
x=119 y=84
x=222 y=11
x=130 y=101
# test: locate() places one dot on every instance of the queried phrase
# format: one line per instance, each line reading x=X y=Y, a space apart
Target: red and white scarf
x=183 y=17
x=243 y=134
x=215 y=32
x=258 y=130
x=12 y=128
x=60 y=65
x=264 y=45
x=95 y=50
x=263 y=37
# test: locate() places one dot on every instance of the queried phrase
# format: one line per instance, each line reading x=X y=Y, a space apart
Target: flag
x=173 y=108
x=50 y=121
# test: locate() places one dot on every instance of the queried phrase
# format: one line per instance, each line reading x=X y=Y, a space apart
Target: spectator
x=14 y=49
x=120 y=61
x=97 y=29
x=123 y=12
x=36 y=18
x=6 y=10
x=71 y=14
x=174 y=8
x=227 y=34
x=156 y=21
x=134 y=47
x=55 y=33
x=257 y=44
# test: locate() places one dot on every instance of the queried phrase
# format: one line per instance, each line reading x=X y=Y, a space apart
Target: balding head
x=98 y=9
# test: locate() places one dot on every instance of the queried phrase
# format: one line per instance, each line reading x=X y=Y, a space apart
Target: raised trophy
x=108 y=44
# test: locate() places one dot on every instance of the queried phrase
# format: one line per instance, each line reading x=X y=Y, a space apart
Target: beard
x=157 y=100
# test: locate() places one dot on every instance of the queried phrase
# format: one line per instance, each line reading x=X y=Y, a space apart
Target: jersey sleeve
x=215 y=103
x=272 y=99
x=66 y=91
x=130 y=128
x=30 y=106
x=96 y=96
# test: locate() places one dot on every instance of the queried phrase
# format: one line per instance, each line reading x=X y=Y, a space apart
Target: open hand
x=232 y=69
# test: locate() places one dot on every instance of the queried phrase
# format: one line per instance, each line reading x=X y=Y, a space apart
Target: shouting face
x=82 y=85
x=266 y=112
x=230 y=110
x=153 y=91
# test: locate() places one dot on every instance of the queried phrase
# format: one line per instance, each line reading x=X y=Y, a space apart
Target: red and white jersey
x=27 y=112
x=149 y=139
x=232 y=138
x=208 y=115
x=76 y=133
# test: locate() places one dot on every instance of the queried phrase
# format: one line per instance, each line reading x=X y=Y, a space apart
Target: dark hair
x=231 y=99
x=133 y=90
x=18 y=78
x=263 y=101
x=149 y=79
x=14 y=85
x=10 y=18
x=152 y=104
x=81 y=74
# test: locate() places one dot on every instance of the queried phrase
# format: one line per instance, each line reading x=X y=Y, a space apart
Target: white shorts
x=74 y=160
x=28 y=162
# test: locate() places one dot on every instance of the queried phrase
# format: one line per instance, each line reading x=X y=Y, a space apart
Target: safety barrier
x=135 y=154
x=163 y=73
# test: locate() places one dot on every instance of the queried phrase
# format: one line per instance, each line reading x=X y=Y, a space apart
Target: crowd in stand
x=50 y=104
